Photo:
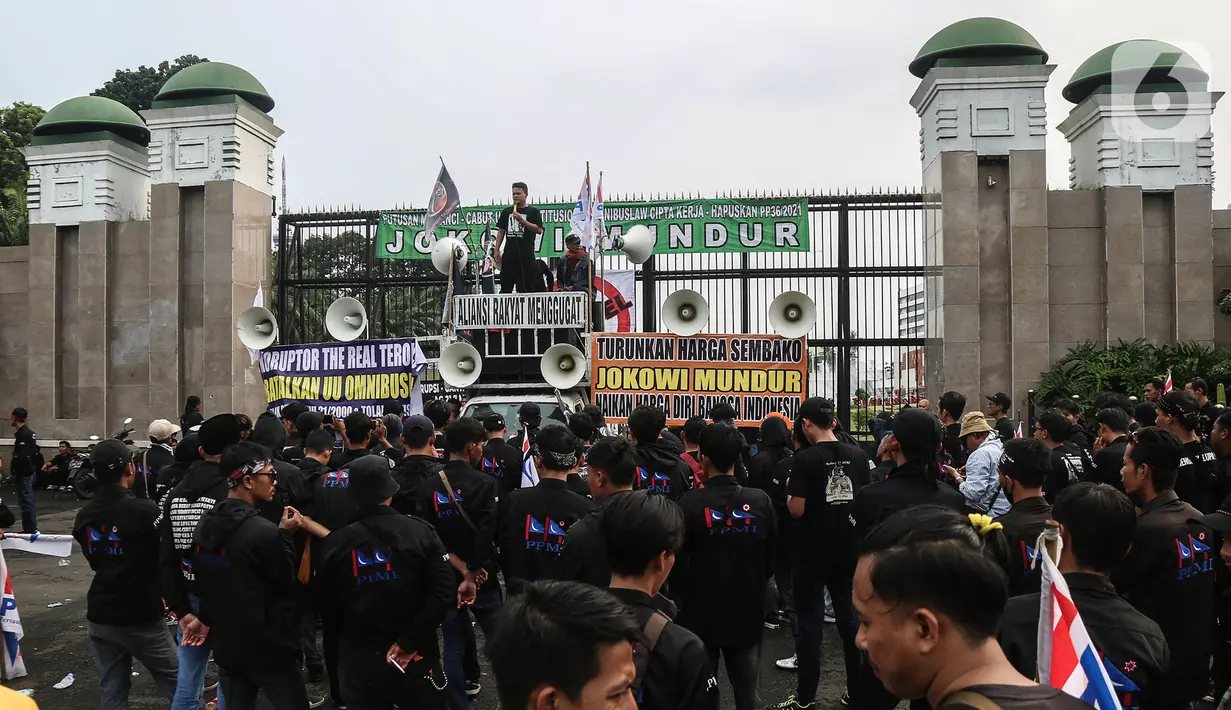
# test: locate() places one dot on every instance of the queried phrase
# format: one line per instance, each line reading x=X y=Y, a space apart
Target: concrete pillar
x=1030 y=337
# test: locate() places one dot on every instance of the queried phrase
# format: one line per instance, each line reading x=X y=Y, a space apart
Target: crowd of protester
x=295 y=551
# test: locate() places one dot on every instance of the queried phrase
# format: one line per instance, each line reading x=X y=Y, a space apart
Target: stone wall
x=14 y=317
x=1222 y=273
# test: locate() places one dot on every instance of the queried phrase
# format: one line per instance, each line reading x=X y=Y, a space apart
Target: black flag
x=443 y=202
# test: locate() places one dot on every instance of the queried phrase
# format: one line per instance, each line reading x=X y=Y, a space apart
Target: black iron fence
x=864 y=270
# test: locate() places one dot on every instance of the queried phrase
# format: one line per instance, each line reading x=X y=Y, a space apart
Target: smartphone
x=328 y=419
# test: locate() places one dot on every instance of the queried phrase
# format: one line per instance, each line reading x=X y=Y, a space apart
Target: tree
x=17 y=124
x=136 y=88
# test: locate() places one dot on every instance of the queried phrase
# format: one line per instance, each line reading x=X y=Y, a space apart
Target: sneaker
x=792 y=704
x=338 y=704
x=314 y=702
x=830 y=620
x=771 y=622
x=472 y=688
x=211 y=676
x=787 y=664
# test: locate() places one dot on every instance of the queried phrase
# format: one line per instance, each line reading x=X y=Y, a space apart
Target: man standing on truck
x=521 y=224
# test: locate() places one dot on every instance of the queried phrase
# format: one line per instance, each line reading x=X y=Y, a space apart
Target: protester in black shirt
x=582 y=427
x=419 y=463
x=1068 y=462
x=124 y=609
x=160 y=454
x=25 y=463
x=1078 y=436
x=784 y=547
x=245 y=576
x=1024 y=466
x=951 y=406
x=727 y=560
x=192 y=413
x=612 y=471
x=327 y=505
x=643 y=533
x=500 y=461
x=461 y=503
x=1197 y=481
x=820 y=496
x=187 y=452
x=521 y=224
x=659 y=468
x=359 y=432
x=441 y=415
x=1208 y=409
x=293 y=446
x=773 y=446
x=292 y=490
x=306 y=423
x=1168 y=574
x=564 y=646
x=1146 y=414
x=1113 y=432
x=389 y=579
x=58 y=469
x=1097 y=526
x=534 y=521
x=930 y=591
x=998 y=406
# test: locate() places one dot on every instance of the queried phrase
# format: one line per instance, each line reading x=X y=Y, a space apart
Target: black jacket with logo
x=476 y=493
x=678 y=674
x=727 y=561
x=660 y=470
x=502 y=462
x=202 y=488
x=533 y=524
x=906 y=487
x=245 y=577
x=1134 y=650
x=1069 y=464
x=1198 y=481
x=388 y=578
x=1168 y=575
x=584 y=555
x=410 y=473
x=1108 y=462
x=331 y=506
x=827 y=476
x=118 y=535
x=25 y=446
x=1022 y=526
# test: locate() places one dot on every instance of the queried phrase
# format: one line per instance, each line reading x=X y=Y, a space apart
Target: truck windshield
x=508 y=410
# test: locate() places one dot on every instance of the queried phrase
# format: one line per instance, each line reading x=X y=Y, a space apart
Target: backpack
x=653 y=630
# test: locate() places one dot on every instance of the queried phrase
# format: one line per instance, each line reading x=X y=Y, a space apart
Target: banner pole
x=445 y=320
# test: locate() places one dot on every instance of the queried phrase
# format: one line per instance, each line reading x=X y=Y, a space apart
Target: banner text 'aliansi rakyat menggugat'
x=679 y=226
x=339 y=378
x=758 y=375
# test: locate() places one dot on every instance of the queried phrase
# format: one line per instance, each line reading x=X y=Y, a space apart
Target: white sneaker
x=830 y=620
x=787 y=664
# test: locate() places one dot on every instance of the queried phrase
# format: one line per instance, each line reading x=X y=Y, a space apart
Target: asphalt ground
x=55 y=642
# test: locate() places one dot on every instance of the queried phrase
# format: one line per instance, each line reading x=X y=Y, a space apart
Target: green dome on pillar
x=978 y=41
x=207 y=81
x=76 y=118
x=1152 y=66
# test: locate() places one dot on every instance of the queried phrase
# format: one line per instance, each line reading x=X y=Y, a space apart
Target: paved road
x=55 y=641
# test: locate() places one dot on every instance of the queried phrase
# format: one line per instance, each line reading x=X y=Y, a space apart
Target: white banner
x=10 y=623
x=51 y=545
x=619 y=289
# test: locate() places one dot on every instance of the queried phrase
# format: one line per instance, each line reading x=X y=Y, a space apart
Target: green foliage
x=17 y=124
x=1089 y=370
x=136 y=88
x=861 y=394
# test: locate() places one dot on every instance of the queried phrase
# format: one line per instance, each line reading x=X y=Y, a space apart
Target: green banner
x=683 y=226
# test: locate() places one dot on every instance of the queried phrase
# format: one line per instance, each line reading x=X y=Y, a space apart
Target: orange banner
x=758 y=375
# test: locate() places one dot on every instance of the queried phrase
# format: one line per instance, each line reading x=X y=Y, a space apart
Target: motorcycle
x=81 y=477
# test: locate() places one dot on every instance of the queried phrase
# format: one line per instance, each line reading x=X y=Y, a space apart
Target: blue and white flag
x=10 y=624
x=582 y=221
x=597 y=226
x=529 y=474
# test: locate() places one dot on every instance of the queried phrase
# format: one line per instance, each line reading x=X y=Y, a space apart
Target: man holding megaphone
x=520 y=224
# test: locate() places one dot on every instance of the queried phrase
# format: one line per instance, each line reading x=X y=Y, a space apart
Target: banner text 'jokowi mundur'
x=684 y=226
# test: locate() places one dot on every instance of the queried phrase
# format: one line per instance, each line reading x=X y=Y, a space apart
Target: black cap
x=1220 y=520
x=417 y=423
x=1002 y=399
x=572 y=238
x=815 y=409
x=308 y=421
x=370 y=481
x=530 y=412
x=110 y=454
x=494 y=422
x=217 y=433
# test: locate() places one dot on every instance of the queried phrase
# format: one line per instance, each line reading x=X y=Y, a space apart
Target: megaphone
x=792 y=314
x=637 y=243
x=563 y=366
x=685 y=312
x=257 y=328
x=346 y=319
x=460 y=364
x=446 y=249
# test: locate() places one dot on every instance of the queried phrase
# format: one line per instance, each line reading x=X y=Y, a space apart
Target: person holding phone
x=521 y=224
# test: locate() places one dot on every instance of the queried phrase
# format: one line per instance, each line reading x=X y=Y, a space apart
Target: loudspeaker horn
x=257 y=328
x=460 y=364
x=563 y=366
x=346 y=319
x=441 y=253
x=637 y=243
x=685 y=312
x=792 y=314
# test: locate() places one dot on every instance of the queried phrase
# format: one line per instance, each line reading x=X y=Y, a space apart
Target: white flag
x=580 y=222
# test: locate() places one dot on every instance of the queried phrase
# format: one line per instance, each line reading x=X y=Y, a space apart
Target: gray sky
x=662 y=95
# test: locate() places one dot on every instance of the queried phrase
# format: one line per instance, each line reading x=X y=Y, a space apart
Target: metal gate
x=864 y=270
